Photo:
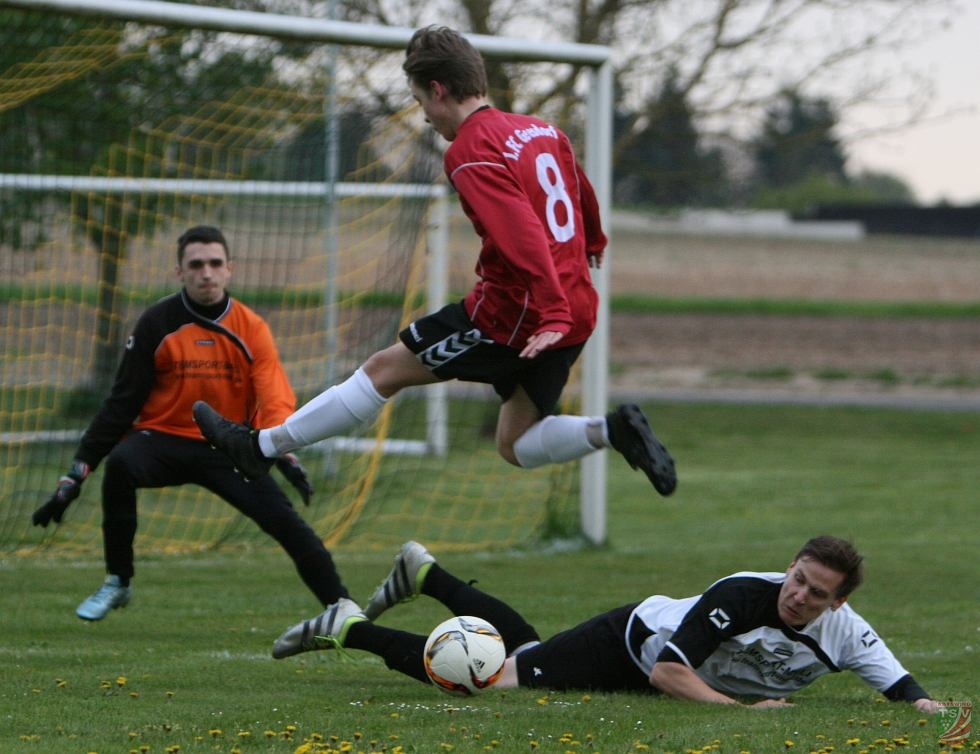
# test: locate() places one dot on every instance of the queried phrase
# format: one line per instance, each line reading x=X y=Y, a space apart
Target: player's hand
x=927 y=706
x=293 y=470
x=595 y=260
x=539 y=342
x=69 y=487
x=771 y=704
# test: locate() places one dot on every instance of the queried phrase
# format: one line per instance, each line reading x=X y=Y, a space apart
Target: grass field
x=186 y=667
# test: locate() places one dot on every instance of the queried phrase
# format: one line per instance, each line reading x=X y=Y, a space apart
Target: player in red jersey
x=526 y=320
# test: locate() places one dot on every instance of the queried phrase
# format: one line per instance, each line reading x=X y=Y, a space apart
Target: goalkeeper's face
x=205 y=271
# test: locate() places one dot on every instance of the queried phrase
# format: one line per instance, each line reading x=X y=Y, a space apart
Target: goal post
x=460 y=483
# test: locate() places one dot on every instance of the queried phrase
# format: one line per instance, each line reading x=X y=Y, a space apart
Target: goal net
x=116 y=134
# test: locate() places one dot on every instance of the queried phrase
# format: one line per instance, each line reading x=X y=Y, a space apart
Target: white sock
x=352 y=403
x=556 y=439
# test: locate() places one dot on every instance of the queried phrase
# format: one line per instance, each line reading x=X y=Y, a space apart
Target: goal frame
x=597 y=61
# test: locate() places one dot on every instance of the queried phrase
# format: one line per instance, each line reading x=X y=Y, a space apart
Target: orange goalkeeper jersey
x=180 y=353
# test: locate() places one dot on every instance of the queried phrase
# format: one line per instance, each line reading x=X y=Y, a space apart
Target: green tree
x=797 y=141
x=662 y=161
x=884 y=188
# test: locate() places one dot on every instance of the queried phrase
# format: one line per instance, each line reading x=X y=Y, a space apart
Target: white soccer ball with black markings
x=464 y=655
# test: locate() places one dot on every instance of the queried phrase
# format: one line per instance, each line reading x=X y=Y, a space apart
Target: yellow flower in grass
x=789 y=744
x=121 y=681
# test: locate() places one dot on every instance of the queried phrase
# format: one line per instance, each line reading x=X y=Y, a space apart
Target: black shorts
x=452 y=348
x=593 y=656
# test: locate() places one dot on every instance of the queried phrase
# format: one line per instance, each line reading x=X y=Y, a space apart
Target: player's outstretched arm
x=679 y=681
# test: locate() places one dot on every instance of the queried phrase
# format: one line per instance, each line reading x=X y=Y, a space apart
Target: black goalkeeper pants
x=146 y=459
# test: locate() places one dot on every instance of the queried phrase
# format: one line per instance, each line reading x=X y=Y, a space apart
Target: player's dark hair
x=200 y=234
x=438 y=53
x=838 y=555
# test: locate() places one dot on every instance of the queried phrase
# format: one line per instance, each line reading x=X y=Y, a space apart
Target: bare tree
x=732 y=58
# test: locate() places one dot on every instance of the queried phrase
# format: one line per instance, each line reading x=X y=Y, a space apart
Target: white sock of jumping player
x=556 y=439
x=352 y=403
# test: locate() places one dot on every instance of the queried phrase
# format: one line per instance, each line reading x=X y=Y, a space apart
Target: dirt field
x=749 y=356
x=842 y=358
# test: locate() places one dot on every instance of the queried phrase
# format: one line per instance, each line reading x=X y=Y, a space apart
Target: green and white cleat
x=326 y=631
x=404 y=583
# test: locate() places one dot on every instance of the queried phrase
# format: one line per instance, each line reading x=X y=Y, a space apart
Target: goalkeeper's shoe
x=328 y=630
x=630 y=434
x=236 y=441
x=412 y=563
x=109 y=596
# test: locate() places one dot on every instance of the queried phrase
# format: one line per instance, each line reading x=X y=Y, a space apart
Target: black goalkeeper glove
x=69 y=486
x=291 y=468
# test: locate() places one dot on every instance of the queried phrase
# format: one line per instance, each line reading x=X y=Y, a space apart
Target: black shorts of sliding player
x=592 y=656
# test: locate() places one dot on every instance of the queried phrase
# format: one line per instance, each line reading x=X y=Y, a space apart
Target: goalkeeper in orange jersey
x=522 y=326
x=197 y=344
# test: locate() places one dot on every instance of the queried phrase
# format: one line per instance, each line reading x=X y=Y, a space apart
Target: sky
x=939 y=158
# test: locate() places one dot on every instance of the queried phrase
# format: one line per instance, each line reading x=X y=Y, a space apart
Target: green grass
x=637 y=303
x=645 y=304
x=186 y=666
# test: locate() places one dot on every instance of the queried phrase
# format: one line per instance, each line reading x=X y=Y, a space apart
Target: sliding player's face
x=810 y=589
x=433 y=100
x=205 y=271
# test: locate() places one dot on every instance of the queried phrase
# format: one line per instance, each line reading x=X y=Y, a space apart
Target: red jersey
x=537 y=215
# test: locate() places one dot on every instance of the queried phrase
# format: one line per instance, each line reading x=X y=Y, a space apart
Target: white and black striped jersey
x=733 y=638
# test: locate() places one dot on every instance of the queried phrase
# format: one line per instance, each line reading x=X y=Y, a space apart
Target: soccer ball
x=464 y=655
